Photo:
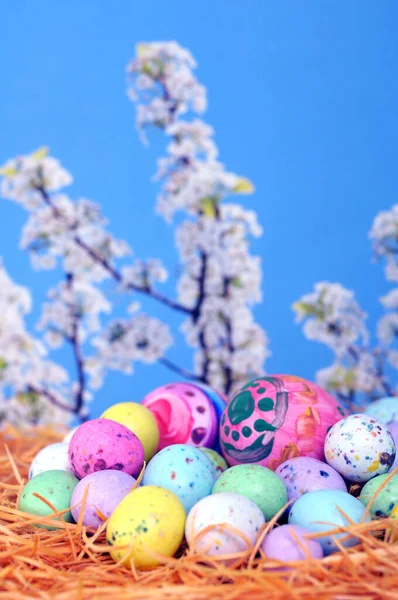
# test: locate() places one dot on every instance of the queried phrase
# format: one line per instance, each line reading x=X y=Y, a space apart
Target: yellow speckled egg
x=394 y=515
x=147 y=524
x=140 y=421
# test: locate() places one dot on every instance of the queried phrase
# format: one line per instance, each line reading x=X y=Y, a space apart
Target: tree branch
x=42 y=392
x=75 y=343
x=113 y=272
x=181 y=371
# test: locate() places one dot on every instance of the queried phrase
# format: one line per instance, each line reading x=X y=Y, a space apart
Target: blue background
x=303 y=98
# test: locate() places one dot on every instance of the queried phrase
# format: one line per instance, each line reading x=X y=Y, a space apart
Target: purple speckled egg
x=105 y=490
x=304 y=474
x=102 y=444
x=290 y=542
x=185 y=414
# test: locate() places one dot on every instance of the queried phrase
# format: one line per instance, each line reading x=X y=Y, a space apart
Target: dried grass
x=71 y=563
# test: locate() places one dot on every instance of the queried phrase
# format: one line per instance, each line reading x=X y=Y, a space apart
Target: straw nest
x=71 y=562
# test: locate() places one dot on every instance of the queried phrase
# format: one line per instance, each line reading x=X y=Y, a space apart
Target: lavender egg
x=304 y=474
x=290 y=542
x=105 y=489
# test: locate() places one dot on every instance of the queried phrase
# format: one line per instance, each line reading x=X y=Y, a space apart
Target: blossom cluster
x=219 y=279
x=331 y=316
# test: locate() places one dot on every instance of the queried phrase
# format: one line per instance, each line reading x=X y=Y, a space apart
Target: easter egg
x=54 y=486
x=386 y=409
x=69 y=435
x=140 y=421
x=184 y=413
x=385 y=498
x=275 y=418
x=184 y=470
x=102 y=444
x=207 y=531
x=305 y=474
x=105 y=489
x=290 y=542
x=216 y=460
x=322 y=511
x=219 y=401
x=258 y=483
x=360 y=447
x=50 y=458
x=147 y=523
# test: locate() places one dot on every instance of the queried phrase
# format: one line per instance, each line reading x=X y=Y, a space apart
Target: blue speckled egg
x=184 y=470
x=385 y=409
x=319 y=511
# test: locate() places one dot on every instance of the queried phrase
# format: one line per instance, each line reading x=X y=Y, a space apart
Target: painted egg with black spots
x=184 y=470
x=223 y=524
x=102 y=444
x=185 y=414
x=360 y=447
x=274 y=418
x=146 y=527
x=304 y=474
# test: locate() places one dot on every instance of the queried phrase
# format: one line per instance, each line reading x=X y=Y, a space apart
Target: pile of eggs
x=186 y=462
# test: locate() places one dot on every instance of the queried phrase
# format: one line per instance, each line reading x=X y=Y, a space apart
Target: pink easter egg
x=184 y=414
x=102 y=444
x=275 y=418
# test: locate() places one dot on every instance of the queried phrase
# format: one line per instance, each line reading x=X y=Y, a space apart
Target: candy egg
x=290 y=542
x=54 y=486
x=146 y=525
x=386 y=409
x=275 y=418
x=102 y=444
x=105 y=489
x=219 y=401
x=305 y=474
x=216 y=460
x=216 y=513
x=70 y=434
x=386 y=498
x=140 y=421
x=360 y=447
x=185 y=415
x=322 y=511
x=184 y=470
x=50 y=458
x=258 y=483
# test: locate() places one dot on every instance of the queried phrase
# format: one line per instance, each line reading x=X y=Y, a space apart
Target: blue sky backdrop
x=303 y=97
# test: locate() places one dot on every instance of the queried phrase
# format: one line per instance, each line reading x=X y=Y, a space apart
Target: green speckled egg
x=54 y=486
x=216 y=460
x=385 y=501
x=258 y=483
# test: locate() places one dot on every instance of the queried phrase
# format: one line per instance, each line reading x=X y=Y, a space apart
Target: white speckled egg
x=69 y=435
x=219 y=511
x=360 y=447
x=50 y=458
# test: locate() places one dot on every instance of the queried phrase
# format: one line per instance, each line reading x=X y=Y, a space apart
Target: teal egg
x=320 y=512
x=56 y=487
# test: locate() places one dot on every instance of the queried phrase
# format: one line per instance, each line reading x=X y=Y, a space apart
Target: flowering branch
x=332 y=316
